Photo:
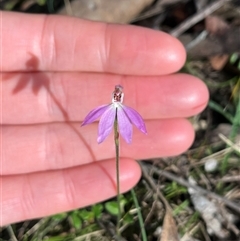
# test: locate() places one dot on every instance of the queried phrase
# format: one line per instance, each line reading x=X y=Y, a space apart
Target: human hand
x=55 y=70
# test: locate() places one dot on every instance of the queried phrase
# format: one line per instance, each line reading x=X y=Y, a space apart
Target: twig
x=90 y=235
x=197 y=40
x=235 y=178
x=109 y=228
x=11 y=233
x=168 y=219
x=154 y=187
x=36 y=227
x=183 y=182
x=156 y=9
x=188 y=23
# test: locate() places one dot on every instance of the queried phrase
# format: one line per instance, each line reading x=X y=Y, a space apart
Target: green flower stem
x=116 y=140
x=140 y=218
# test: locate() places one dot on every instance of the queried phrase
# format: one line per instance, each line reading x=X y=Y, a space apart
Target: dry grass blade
x=235 y=147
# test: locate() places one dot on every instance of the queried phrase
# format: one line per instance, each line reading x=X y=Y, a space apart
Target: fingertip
x=130 y=173
x=178 y=135
x=197 y=93
x=144 y=51
x=185 y=136
x=166 y=137
x=174 y=54
x=179 y=95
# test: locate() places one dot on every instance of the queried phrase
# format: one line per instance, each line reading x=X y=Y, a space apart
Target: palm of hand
x=58 y=71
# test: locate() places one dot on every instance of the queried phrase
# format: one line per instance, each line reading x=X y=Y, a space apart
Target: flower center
x=117 y=95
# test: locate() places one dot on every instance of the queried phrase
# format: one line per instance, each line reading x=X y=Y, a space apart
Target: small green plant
x=85 y=216
x=173 y=189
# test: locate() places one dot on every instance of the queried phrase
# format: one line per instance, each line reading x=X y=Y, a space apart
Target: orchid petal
x=135 y=118
x=95 y=114
x=106 y=123
x=124 y=124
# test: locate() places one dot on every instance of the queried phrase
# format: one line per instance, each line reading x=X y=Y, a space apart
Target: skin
x=55 y=70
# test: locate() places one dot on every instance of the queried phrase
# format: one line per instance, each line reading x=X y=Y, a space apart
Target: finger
x=37 y=98
x=41 y=194
x=59 y=43
x=55 y=146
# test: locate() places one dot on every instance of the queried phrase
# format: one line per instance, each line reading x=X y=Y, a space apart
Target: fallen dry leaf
x=111 y=11
x=215 y=25
x=219 y=61
x=169 y=232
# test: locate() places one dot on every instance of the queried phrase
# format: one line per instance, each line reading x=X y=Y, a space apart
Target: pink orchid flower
x=124 y=115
